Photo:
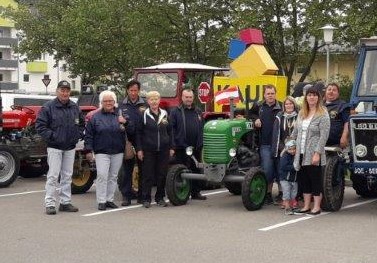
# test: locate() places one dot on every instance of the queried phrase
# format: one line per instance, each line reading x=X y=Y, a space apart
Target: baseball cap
x=64 y=84
x=290 y=144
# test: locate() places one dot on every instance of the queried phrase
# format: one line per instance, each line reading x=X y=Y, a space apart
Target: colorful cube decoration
x=251 y=36
x=236 y=48
x=255 y=61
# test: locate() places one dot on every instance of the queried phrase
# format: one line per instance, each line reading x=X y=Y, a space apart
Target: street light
x=328 y=31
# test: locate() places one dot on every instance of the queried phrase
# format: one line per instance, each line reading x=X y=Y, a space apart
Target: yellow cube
x=254 y=61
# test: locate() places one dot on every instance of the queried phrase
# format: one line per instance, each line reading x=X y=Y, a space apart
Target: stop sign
x=203 y=92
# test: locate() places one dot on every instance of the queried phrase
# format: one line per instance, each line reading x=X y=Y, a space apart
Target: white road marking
x=138 y=206
x=310 y=217
x=22 y=193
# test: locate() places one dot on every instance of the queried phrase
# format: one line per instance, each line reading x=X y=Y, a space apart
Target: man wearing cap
x=61 y=125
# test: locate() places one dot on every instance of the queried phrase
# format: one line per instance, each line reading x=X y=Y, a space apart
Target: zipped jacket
x=104 y=134
x=153 y=135
x=60 y=125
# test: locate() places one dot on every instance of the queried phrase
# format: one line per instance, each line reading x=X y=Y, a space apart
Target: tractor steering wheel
x=22 y=108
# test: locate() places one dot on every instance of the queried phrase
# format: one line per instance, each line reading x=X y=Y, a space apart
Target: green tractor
x=230 y=156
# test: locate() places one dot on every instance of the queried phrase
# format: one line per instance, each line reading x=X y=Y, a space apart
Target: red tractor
x=23 y=152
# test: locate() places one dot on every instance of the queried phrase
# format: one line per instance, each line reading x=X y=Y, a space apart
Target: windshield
x=164 y=83
x=368 y=82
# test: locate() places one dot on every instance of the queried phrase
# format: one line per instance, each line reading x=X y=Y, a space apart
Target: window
x=1 y=77
x=1 y=33
x=300 y=69
x=1 y=55
x=73 y=84
x=26 y=77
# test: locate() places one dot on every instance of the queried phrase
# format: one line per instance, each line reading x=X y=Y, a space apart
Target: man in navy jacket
x=61 y=125
x=187 y=124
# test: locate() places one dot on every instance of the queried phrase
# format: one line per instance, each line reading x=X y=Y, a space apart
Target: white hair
x=106 y=93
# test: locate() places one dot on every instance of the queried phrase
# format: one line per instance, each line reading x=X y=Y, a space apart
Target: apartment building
x=19 y=76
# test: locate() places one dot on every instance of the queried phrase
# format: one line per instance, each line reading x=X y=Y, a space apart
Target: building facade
x=26 y=77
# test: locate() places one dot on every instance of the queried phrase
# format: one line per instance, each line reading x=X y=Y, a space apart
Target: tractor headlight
x=361 y=150
x=232 y=152
x=375 y=150
x=189 y=150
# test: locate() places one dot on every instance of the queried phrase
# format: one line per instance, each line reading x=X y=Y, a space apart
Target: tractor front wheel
x=9 y=165
x=177 y=188
x=254 y=189
x=332 y=183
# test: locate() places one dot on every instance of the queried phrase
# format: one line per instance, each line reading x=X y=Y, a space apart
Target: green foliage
x=345 y=84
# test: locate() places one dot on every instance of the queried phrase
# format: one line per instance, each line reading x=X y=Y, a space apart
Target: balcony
x=36 y=67
x=8 y=64
x=8 y=85
x=8 y=41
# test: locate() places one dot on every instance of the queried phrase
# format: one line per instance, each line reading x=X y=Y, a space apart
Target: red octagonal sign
x=204 y=92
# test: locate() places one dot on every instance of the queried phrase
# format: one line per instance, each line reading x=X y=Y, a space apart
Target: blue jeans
x=269 y=164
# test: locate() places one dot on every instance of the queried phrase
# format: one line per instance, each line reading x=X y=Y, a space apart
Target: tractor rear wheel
x=177 y=188
x=9 y=165
x=332 y=183
x=83 y=176
x=254 y=189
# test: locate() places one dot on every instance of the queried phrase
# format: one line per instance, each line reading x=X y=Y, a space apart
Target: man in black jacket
x=61 y=125
x=132 y=108
x=187 y=124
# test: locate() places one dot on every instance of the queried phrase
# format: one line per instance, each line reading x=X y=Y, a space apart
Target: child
x=288 y=176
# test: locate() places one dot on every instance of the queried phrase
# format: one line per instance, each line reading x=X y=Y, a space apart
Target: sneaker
x=147 y=204
x=68 y=208
x=198 y=196
x=162 y=203
x=278 y=198
x=111 y=205
x=268 y=200
x=102 y=206
x=288 y=211
x=126 y=202
x=50 y=210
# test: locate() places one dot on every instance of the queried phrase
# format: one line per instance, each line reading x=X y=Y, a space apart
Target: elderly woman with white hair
x=105 y=138
x=153 y=145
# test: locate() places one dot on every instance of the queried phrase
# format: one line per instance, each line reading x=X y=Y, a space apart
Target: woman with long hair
x=311 y=132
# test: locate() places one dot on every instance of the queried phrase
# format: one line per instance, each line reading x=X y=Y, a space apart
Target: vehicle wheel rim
x=7 y=166
x=182 y=188
x=81 y=177
x=257 y=189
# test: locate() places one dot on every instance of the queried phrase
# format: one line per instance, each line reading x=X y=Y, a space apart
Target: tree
x=291 y=29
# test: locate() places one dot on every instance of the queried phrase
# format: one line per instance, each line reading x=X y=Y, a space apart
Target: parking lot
x=216 y=230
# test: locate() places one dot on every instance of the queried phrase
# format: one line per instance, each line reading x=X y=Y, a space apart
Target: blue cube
x=236 y=48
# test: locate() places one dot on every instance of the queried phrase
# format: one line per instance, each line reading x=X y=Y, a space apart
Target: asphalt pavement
x=216 y=230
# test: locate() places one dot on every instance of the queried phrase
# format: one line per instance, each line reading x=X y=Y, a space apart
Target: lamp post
x=328 y=31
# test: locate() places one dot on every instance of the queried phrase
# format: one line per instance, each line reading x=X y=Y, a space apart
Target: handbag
x=129 y=151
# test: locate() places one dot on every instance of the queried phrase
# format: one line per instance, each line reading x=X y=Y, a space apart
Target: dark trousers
x=155 y=168
x=182 y=158
x=309 y=179
x=126 y=186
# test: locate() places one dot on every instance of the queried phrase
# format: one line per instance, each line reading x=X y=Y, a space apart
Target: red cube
x=251 y=36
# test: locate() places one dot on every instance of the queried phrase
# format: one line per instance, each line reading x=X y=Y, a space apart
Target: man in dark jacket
x=187 y=124
x=263 y=113
x=132 y=108
x=61 y=125
x=339 y=112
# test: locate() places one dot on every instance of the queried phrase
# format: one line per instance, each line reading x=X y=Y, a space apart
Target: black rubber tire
x=332 y=184
x=177 y=189
x=254 y=189
x=82 y=179
x=234 y=188
x=9 y=165
x=360 y=185
x=33 y=170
